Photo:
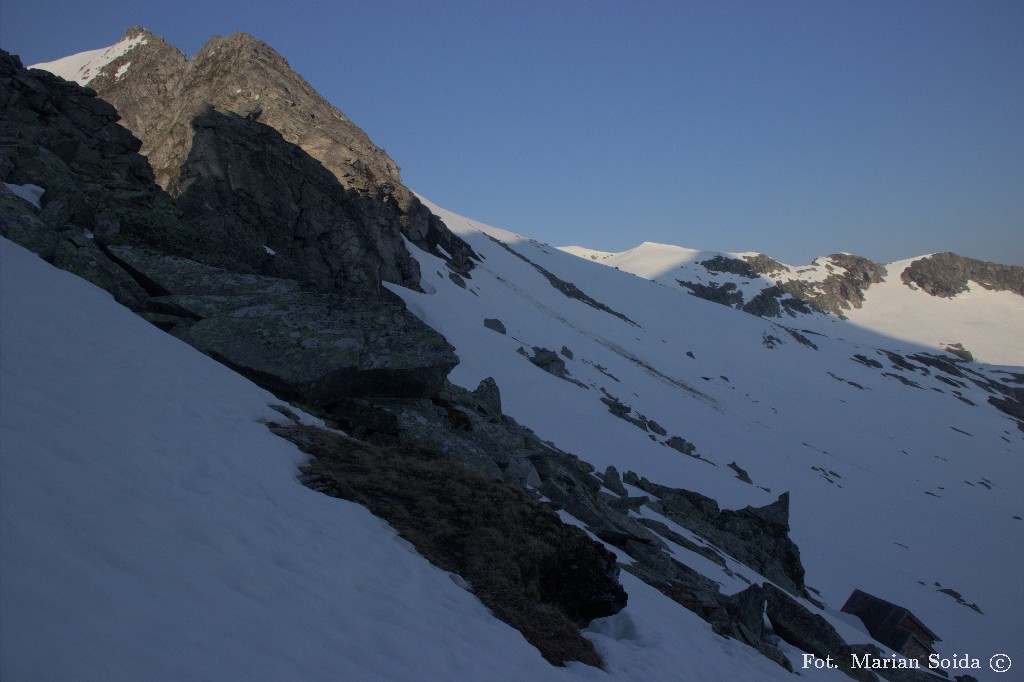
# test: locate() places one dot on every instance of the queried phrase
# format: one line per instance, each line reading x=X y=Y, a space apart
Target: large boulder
x=313 y=347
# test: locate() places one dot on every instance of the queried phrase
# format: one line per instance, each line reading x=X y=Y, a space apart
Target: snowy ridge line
x=85 y=66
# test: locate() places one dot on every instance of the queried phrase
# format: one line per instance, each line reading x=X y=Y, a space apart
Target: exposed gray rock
x=613 y=482
x=838 y=292
x=732 y=265
x=764 y=265
x=80 y=255
x=682 y=445
x=741 y=473
x=766 y=303
x=494 y=324
x=958 y=350
x=489 y=396
x=946 y=275
x=548 y=361
x=166 y=274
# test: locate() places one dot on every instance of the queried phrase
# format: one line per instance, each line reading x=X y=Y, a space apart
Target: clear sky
x=796 y=128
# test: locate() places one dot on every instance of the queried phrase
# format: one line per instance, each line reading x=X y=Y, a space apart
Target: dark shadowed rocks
x=264 y=205
x=810 y=632
x=735 y=266
x=495 y=324
x=756 y=536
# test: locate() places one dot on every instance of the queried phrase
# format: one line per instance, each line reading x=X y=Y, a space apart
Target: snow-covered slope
x=85 y=66
x=988 y=323
x=900 y=481
x=153 y=528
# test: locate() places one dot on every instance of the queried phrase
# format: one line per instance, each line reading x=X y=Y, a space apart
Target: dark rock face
x=764 y=265
x=162 y=93
x=266 y=206
x=946 y=275
x=766 y=303
x=302 y=345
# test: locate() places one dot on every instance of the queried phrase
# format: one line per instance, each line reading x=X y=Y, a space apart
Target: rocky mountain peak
x=159 y=93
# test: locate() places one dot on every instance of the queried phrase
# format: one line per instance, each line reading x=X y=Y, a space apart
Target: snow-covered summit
x=85 y=66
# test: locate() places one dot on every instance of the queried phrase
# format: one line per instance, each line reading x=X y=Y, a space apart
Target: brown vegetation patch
x=537 y=574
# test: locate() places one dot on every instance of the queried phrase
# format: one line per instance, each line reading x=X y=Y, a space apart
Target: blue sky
x=886 y=129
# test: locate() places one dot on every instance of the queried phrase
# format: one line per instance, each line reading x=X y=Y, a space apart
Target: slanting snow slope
x=988 y=323
x=85 y=66
x=154 y=529
x=901 y=483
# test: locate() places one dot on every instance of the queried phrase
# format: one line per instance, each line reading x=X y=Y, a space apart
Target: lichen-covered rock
x=317 y=349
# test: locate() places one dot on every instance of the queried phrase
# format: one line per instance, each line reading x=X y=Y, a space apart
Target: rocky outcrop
x=840 y=290
x=263 y=205
x=764 y=265
x=549 y=361
x=947 y=274
x=756 y=536
x=724 y=294
x=732 y=265
x=160 y=93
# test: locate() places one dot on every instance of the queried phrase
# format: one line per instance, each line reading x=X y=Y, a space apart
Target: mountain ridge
x=850 y=288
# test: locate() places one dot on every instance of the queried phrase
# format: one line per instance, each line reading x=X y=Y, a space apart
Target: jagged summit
x=159 y=93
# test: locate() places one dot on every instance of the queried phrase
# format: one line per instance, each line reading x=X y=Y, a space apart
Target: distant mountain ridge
x=943 y=301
